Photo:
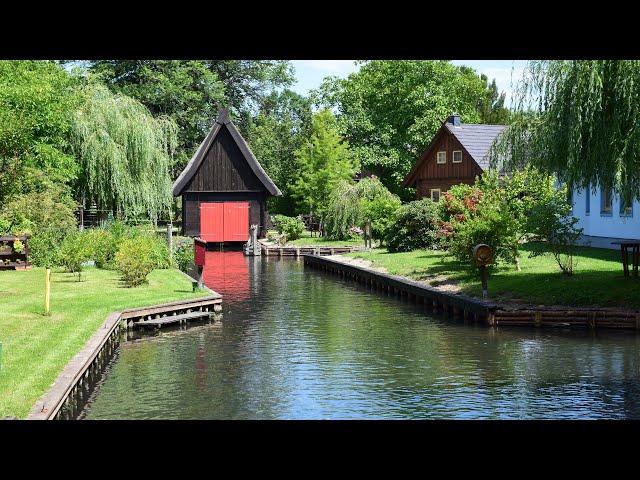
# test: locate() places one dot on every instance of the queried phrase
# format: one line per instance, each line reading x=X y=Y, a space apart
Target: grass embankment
x=597 y=278
x=35 y=348
x=308 y=240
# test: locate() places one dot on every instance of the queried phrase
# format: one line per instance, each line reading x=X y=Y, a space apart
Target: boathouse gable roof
x=223 y=121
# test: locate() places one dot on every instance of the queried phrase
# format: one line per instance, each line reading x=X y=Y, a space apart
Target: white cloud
x=331 y=67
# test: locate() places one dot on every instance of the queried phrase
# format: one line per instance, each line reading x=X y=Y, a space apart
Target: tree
x=578 y=120
x=124 y=154
x=323 y=161
x=36 y=104
x=190 y=92
x=279 y=129
x=491 y=107
x=390 y=110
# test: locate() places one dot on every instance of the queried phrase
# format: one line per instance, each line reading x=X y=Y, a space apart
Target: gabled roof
x=476 y=139
x=195 y=162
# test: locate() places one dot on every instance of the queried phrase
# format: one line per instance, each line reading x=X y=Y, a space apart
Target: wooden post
x=47 y=291
x=170 y=238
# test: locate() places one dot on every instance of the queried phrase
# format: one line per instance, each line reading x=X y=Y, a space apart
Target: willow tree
x=124 y=154
x=578 y=120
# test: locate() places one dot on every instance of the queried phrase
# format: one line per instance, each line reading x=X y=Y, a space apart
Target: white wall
x=610 y=225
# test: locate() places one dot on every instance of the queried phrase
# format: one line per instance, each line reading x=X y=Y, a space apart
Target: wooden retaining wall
x=463 y=306
x=466 y=307
x=68 y=394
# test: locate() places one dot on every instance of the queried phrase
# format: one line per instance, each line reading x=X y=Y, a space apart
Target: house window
x=435 y=194
x=457 y=156
x=625 y=210
x=606 y=205
x=587 y=199
x=441 y=157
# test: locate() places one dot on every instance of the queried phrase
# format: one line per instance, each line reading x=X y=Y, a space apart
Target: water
x=295 y=343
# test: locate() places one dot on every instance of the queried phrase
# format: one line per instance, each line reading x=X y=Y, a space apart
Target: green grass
x=307 y=240
x=35 y=348
x=597 y=278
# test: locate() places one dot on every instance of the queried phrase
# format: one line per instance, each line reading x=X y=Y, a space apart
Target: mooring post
x=170 y=238
x=47 y=291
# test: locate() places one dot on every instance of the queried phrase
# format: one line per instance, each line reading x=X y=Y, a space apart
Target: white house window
x=626 y=210
x=457 y=156
x=606 y=201
x=435 y=194
x=441 y=157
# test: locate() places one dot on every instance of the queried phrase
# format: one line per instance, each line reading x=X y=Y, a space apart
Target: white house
x=603 y=217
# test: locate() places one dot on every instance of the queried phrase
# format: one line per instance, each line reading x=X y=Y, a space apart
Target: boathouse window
x=587 y=199
x=441 y=158
x=457 y=156
x=606 y=206
x=435 y=194
x=625 y=209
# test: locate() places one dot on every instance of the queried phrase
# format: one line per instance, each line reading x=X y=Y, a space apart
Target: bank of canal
x=296 y=343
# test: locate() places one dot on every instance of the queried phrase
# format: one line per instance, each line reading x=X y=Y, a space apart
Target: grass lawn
x=307 y=240
x=35 y=348
x=597 y=278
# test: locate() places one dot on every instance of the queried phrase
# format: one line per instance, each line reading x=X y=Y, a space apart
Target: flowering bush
x=356 y=231
x=415 y=225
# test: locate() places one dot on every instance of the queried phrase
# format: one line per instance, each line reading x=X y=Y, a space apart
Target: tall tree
x=36 y=103
x=279 y=129
x=191 y=91
x=491 y=106
x=390 y=110
x=124 y=154
x=323 y=161
x=579 y=120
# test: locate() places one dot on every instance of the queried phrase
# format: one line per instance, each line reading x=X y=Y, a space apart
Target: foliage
x=135 y=260
x=491 y=106
x=354 y=204
x=553 y=221
x=291 y=227
x=281 y=126
x=124 y=154
x=18 y=246
x=184 y=254
x=323 y=161
x=47 y=216
x=75 y=250
x=104 y=245
x=191 y=91
x=415 y=225
x=36 y=102
x=578 y=119
x=390 y=110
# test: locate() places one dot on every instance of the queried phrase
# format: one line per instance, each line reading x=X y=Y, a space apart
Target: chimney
x=454 y=120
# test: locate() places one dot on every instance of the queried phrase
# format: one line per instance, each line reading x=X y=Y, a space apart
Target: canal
x=300 y=344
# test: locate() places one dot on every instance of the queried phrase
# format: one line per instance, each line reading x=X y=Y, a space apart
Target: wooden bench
x=635 y=254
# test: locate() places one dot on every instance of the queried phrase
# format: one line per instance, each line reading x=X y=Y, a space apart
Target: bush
x=135 y=259
x=291 y=227
x=184 y=254
x=74 y=251
x=103 y=247
x=414 y=225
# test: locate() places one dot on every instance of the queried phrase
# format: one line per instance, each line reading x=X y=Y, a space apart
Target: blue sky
x=310 y=73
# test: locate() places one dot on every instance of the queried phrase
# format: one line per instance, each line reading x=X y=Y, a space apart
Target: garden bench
x=635 y=254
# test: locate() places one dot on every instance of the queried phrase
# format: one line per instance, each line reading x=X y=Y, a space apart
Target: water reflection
x=301 y=344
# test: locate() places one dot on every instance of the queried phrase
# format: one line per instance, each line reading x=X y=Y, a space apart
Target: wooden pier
x=172 y=313
x=294 y=251
x=462 y=306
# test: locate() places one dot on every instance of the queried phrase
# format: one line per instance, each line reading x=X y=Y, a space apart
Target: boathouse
x=224 y=188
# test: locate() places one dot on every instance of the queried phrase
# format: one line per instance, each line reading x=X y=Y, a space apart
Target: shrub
x=74 y=251
x=135 y=260
x=291 y=227
x=103 y=247
x=184 y=254
x=415 y=225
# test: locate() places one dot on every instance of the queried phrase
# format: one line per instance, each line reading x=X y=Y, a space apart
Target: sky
x=310 y=73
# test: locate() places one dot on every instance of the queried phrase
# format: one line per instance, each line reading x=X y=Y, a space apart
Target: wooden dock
x=462 y=306
x=294 y=251
x=172 y=313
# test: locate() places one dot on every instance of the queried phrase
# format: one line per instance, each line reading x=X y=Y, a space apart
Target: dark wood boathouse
x=224 y=188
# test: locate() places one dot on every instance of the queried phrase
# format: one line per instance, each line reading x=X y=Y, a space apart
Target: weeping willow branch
x=124 y=154
x=578 y=120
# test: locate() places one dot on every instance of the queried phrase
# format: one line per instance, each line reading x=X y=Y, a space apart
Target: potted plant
x=18 y=246
x=5 y=247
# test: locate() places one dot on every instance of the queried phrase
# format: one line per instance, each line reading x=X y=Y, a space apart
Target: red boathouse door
x=224 y=221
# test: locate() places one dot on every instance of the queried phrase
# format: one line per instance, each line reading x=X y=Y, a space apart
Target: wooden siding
x=224 y=168
x=443 y=176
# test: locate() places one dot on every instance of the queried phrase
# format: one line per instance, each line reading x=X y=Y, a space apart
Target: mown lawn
x=35 y=348
x=597 y=278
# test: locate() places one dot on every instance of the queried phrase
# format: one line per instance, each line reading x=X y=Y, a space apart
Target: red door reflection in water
x=227 y=273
